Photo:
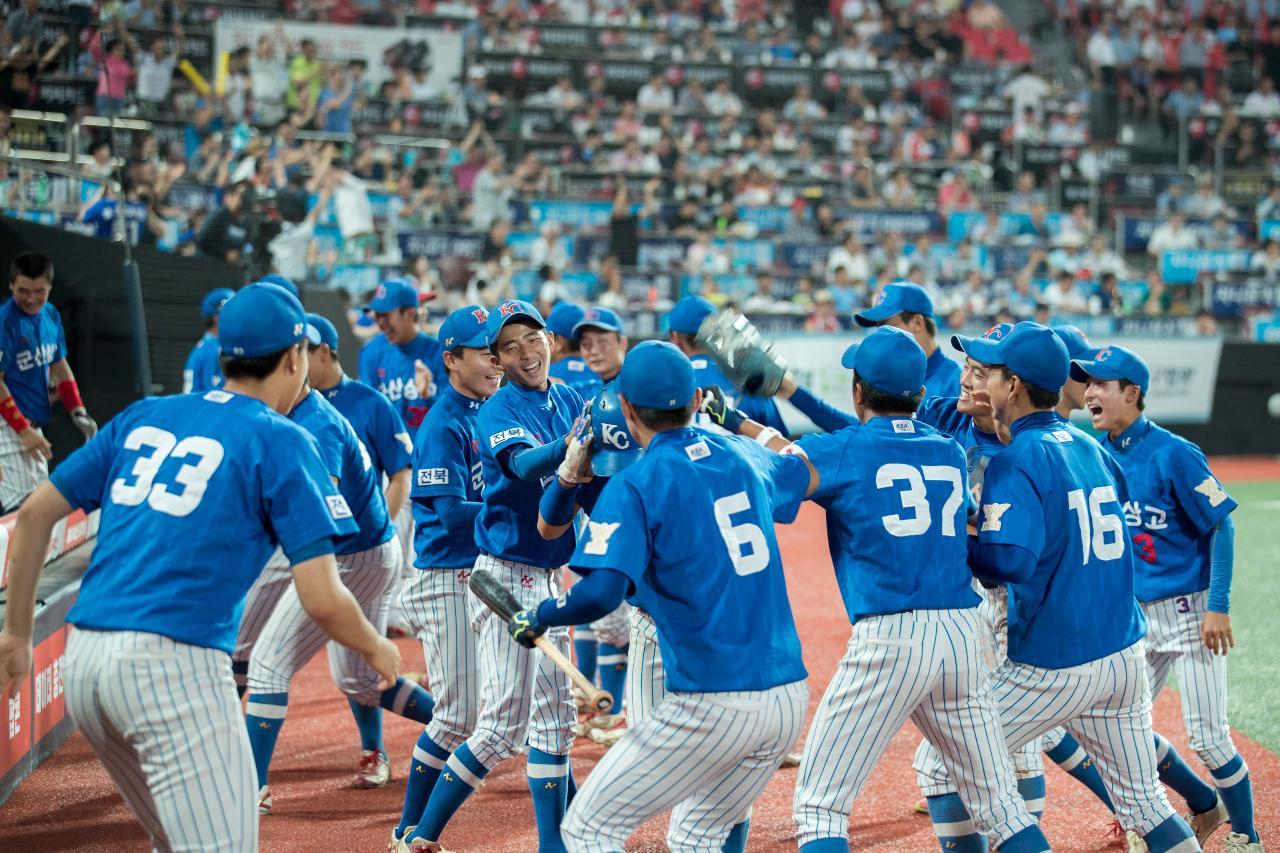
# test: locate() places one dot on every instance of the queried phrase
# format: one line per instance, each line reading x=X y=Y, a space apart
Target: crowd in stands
x=311 y=168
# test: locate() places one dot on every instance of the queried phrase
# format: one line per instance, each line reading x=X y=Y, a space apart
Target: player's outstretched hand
x=576 y=467
x=84 y=423
x=525 y=628
x=715 y=405
x=1216 y=633
x=36 y=444
x=422 y=379
x=15 y=661
x=385 y=660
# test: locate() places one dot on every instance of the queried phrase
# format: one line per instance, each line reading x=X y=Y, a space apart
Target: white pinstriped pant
x=707 y=756
x=22 y=472
x=405 y=528
x=437 y=607
x=260 y=603
x=1173 y=643
x=290 y=638
x=522 y=693
x=163 y=719
x=1106 y=705
x=646 y=687
x=928 y=666
x=615 y=628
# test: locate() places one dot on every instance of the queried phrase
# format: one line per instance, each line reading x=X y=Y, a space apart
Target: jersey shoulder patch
x=600 y=532
x=433 y=476
x=576 y=367
x=506 y=435
x=338 y=506
x=903 y=425
x=697 y=450
x=217 y=396
x=1212 y=490
x=991 y=515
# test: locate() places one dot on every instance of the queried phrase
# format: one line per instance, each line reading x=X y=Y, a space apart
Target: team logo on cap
x=1103 y=354
x=480 y=314
x=593 y=314
x=995 y=333
x=297 y=329
x=506 y=309
x=880 y=296
x=381 y=292
x=448 y=343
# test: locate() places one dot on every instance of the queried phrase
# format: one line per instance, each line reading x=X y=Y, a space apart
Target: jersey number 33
x=202 y=455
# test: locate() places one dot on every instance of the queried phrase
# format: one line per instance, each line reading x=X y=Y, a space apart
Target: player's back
x=719 y=602
x=188 y=486
x=1079 y=604
x=202 y=371
x=572 y=370
x=895 y=493
x=375 y=422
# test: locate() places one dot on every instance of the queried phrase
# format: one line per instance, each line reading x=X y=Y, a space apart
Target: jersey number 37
x=203 y=456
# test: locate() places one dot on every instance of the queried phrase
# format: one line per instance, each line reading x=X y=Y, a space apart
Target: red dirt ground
x=69 y=803
x=1250 y=469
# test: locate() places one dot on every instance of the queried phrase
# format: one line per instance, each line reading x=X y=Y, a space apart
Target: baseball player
x=1183 y=539
x=1051 y=530
x=523 y=432
x=908 y=307
x=195 y=491
x=738 y=696
x=1078 y=347
x=446 y=492
x=33 y=358
x=567 y=364
x=202 y=372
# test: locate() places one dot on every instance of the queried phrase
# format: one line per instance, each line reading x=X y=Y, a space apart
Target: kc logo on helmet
x=615 y=437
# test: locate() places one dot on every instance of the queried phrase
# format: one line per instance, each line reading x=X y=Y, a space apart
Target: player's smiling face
x=474 y=372
x=400 y=326
x=1111 y=408
x=603 y=351
x=30 y=293
x=1000 y=391
x=973 y=378
x=525 y=354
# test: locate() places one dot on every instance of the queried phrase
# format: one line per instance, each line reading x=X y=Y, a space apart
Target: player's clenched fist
x=525 y=628
x=716 y=406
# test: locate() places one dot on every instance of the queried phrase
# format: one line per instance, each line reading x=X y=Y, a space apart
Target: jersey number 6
x=738 y=535
x=193 y=478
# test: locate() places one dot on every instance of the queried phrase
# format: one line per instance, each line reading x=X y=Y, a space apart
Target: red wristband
x=13 y=417
x=69 y=391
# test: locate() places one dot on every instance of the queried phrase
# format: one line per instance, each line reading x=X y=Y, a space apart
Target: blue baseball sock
x=585 y=650
x=1172 y=834
x=264 y=718
x=1032 y=791
x=407 y=699
x=1175 y=773
x=613 y=671
x=1236 y=791
x=550 y=792
x=369 y=722
x=571 y=787
x=240 y=670
x=428 y=760
x=1071 y=757
x=1029 y=840
x=461 y=775
x=953 y=826
x=826 y=845
x=737 y=840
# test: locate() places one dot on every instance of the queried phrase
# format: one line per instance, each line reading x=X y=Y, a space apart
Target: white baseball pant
x=405 y=528
x=260 y=603
x=437 y=607
x=706 y=756
x=646 y=687
x=164 y=720
x=21 y=471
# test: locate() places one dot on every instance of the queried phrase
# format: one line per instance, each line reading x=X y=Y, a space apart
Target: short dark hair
x=929 y=324
x=660 y=420
x=887 y=404
x=1142 y=397
x=31 y=265
x=687 y=339
x=313 y=347
x=257 y=367
x=1041 y=398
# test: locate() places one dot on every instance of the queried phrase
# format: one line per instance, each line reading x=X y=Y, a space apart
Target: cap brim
x=1082 y=370
x=607 y=463
x=875 y=316
x=502 y=324
x=981 y=350
x=595 y=324
x=846 y=360
x=479 y=340
x=313 y=335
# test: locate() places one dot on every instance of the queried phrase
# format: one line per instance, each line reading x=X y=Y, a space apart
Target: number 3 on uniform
x=194 y=478
x=737 y=535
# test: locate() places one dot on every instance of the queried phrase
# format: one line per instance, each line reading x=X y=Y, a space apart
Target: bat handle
x=600 y=700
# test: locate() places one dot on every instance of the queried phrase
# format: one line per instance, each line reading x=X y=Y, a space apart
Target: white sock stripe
x=403 y=695
x=611 y=659
x=547 y=771
x=420 y=754
x=584 y=634
x=1036 y=805
x=1073 y=761
x=1162 y=749
x=265 y=711
x=1187 y=845
x=453 y=765
x=1234 y=778
x=957 y=828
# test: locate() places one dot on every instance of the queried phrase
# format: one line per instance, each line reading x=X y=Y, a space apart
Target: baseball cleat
x=607 y=721
x=607 y=737
x=1238 y=842
x=921 y=806
x=580 y=729
x=264 y=800
x=373 y=771
x=1135 y=842
x=1204 y=823
x=393 y=846
x=421 y=845
x=791 y=759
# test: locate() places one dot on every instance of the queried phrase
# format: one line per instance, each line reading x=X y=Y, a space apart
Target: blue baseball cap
x=687 y=315
x=1078 y=346
x=282 y=281
x=656 y=375
x=889 y=360
x=563 y=317
x=615 y=447
x=1029 y=350
x=465 y=327
x=599 y=318
x=214 y=300
x=995 y=333
x=506 y=311
x=1113 y=363
x=326 y=332
x=392 y=294
x=261 y=319
x=893 y=300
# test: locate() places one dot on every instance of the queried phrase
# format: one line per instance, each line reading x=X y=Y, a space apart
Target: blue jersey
x=389 y=368
x=446 y=462
x=719 y=602
x=1057 y=493
x=507 y=526
x=376 y=424
x=979 y=445
x=573 y=371
x=762 y=410
x=196 y=491
x=894 y=491
x=1174 y=504
x=203 y=372
x=941 y=375
x=346 y=459
x=102 y=216
x=28 y=345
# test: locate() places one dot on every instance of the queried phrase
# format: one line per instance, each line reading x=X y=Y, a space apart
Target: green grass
x=1254 y=665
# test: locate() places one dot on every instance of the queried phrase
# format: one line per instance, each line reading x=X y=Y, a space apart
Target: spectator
x=235 y=98
x=1182 y=105
x=269 y=76
x=900 y=193
x=847 y=293
x=1204 y=203
x=562 y=95
x=1101 y=51
x=1075 y=229
x=723 y=101
x=898 y=109
x=1263 y=102
x=1064 y=296
x=1266 y=261
x=656 y=96
x=704 y=257
x=1269 y=206
x=1156 y=301
x=852 y=53
x=1027 y=89
x=693 y=99
x=955 y=194
x=1206 y=323
x=102 y=214
x=762 y=300
x=990 y=231
x=1172 y=198
x=155 y=69
x=630 y=160
x=802 y=107
x=1025 y=195
x=115 y=73
x=1067 y=129
x=337 y=102
x=1221 y=235
x=496 y=248
x=101 y=164
x=492 y=192
x=614 y=296
x=624 y=223
x=802 y=298
x=1171 y=236
x=551 y=290
x=305 y=72
x=223 y=234
x=798 y=228
x=1101 y=260
x=627 y=125
x=354 y=212
x=1028 y=127
x=852 y=257
x=823 y=318
x=291 y=249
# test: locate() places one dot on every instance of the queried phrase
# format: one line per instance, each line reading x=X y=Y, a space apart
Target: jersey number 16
x=1101 y=534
